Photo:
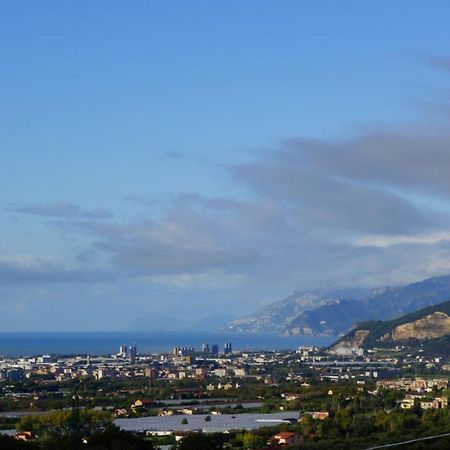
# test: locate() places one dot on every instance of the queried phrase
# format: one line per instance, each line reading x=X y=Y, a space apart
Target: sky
x=170 y=162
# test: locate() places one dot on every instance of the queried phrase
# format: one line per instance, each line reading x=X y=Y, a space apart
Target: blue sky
x=175 y=159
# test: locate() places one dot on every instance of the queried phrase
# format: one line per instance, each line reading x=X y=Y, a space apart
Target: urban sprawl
x=252 y=400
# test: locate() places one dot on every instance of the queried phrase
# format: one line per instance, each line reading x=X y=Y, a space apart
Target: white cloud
x=390 y=240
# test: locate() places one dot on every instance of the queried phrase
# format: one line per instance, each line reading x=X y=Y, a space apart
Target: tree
x=308 y=424
x=9 y=443
x=250 y=440
x=195 y=441
x=342 y=421
x=113 y=438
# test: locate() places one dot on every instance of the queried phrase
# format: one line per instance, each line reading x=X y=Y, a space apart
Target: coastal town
x=269 y=395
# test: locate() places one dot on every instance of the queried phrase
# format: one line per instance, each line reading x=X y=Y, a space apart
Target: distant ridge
x=274 y=317
x=334 y=312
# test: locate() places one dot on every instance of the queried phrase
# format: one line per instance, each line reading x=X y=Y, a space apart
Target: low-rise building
x=287 y=438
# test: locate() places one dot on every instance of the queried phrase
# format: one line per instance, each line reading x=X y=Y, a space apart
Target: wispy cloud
x=370 y=209
x=19 y=269
x=390 y=240
x=63 y=210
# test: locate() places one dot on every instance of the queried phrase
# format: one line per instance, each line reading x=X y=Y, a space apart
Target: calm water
x=102 y=343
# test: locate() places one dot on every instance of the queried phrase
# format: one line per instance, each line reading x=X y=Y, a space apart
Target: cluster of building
x=373 y=365
x=418 y=384
x=206 y=349
x=183 y=362
x=11 y=374
x=128 y=352
x=186 y=362
x=419 y=390
x=424 y=402
x=219 y=370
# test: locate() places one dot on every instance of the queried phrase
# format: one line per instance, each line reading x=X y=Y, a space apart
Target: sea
x=17 y=344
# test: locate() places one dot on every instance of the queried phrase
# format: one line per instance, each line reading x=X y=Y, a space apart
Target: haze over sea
x=102 y=343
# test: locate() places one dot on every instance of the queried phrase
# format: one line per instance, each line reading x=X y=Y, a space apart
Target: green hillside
x=377 y=329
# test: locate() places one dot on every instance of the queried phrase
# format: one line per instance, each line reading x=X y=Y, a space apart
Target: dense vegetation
x=74 y=430
x=358 y=420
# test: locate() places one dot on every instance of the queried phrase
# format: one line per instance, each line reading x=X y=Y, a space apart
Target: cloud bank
x=369 y=210
x=372 y=209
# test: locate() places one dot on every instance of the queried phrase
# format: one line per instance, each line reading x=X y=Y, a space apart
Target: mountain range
x=332 y=312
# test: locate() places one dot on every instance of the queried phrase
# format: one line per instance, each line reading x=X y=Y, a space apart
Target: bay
x=103 y=343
